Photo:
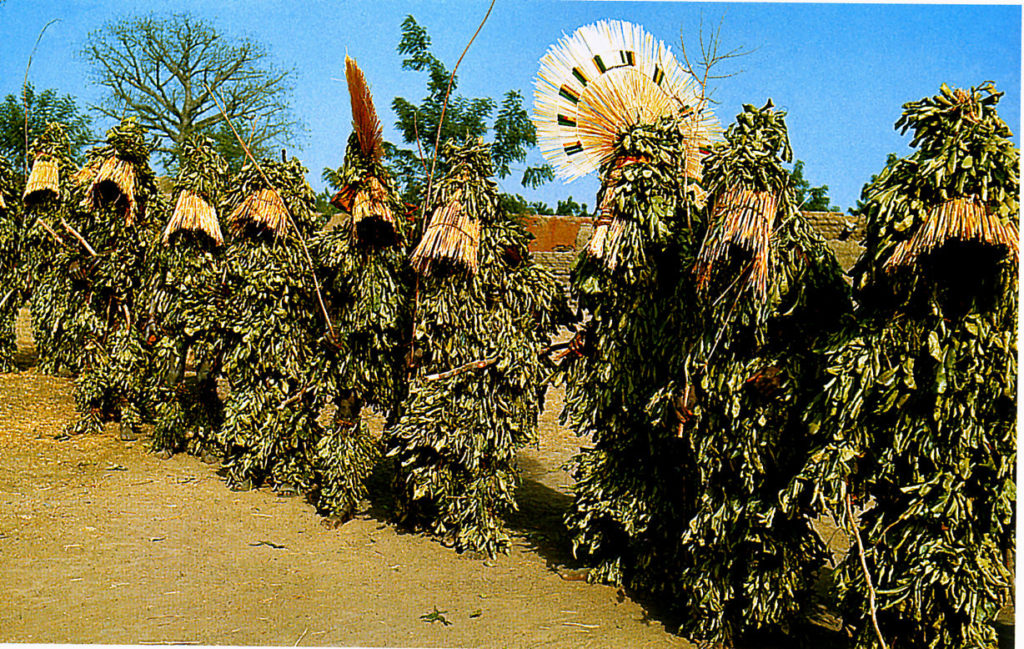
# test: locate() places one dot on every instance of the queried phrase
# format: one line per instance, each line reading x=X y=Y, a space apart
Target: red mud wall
x=555 y=233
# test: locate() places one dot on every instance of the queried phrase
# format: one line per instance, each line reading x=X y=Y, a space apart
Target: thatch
x=596 y=246
x=452 y=236
x=343 y=199
x=43 y=182
x=264 y=207
x=115 y=181
x=694 y=170
x=962 y=219
x=604 y=244
x=192 y=212
x=607 y=227
x=371 y=215
x=87 y=173
x=744 y=218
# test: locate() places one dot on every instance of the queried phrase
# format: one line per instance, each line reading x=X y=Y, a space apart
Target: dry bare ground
x=101 y=542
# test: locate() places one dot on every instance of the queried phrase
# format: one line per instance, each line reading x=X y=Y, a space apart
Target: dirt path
x=101 y=542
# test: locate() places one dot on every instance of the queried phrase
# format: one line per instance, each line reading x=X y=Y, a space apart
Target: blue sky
x=842 y=71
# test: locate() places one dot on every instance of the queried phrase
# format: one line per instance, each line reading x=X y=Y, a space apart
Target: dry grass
x=742 y=217
x=962 y=219
x=264 y=207
x=364 y=115
x=452 y=236
x=192 y=212
x=43 y=182
x=116 y=181
x=371 y=214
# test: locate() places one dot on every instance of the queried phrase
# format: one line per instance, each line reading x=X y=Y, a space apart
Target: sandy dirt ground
x=102 y=542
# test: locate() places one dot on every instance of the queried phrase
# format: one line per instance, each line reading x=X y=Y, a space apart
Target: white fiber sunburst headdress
x=599 y=81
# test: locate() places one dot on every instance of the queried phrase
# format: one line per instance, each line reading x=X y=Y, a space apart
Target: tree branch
x=854 y=526
x=473 y=365
x=162 y=69
x=73 y=232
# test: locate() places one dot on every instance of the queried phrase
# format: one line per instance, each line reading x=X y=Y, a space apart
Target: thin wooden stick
x=430 y=176
x=4 y=301
x=76 y=235
x=298 y=234
x=24 y=85
x=51 y=231
x=419 y=148
x=473 y=365
x=444 y=106
x=295 y=397
x=864 y=567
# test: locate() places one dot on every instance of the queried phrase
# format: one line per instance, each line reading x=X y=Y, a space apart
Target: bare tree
x=711 y=56
x=162 y=69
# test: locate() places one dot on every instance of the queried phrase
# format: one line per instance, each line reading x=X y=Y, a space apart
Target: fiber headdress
x=122 y=172
x=467 y=197
x=366 y=193
x=44 y=180
x=953 y=202
x=199 y=184
x=749 y=189
x=604 y=78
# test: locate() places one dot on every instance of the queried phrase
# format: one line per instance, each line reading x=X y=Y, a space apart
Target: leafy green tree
x=464 y=117
x=516 y=204
x=810 y=199
x=165 y=69
x=569 y=207
x=43 y=107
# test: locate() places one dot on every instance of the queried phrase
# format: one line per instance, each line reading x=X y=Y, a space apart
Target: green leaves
x=464 y=118
x=456 y=438
x=44 y=108
x=755 y=146
x=963 y=151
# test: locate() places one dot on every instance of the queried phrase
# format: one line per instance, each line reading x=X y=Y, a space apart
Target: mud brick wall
x=558 y=239
x=843 y=232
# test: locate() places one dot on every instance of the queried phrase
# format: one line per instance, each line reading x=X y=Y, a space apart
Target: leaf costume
x=12 y=261
x=485 y=313
x=364 y=268
x=917 y=418
x=770 y=291
x=188 y=299
x=113 y=230
x=271 y=321
x=51 y=256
